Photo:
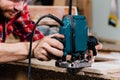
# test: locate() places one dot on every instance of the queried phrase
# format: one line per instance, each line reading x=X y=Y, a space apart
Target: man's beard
x=3 y=16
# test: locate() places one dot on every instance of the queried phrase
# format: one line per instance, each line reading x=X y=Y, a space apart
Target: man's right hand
x=48 y=48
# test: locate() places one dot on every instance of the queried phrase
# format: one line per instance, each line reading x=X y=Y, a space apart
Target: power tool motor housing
x=75 y=42
x=75 y=31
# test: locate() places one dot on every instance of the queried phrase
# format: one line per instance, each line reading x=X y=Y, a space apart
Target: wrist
x=35 y=44
x=32 y=49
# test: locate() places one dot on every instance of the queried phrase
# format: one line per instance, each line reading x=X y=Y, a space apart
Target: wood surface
x=59 y=11
x=110 y=47
x=106 y=66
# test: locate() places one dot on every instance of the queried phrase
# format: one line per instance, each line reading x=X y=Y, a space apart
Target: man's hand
x=90 y=53
x=48 y=48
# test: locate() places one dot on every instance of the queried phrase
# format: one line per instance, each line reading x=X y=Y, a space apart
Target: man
x=14 y=18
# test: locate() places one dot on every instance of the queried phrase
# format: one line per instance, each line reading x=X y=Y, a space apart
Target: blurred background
x=98 y=14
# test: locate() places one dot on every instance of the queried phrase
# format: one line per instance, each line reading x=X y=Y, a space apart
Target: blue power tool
x=76 y=41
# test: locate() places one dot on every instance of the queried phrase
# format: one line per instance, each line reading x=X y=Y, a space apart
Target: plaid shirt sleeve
x=23 y=26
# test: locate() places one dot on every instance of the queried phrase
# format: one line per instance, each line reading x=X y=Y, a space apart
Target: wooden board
x=111 y=47
x=59 y=11
x=60 y=2
x=107 y=56
x=101 y=69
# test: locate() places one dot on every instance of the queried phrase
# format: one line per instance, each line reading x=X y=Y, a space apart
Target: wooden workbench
x=106 y=69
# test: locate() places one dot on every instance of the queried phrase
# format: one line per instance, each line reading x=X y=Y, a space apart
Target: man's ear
x=99 y=46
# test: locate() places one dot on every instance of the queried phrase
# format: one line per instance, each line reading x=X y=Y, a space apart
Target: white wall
x=100 y=27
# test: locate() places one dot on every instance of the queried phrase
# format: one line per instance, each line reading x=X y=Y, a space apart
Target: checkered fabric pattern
x=21 y=25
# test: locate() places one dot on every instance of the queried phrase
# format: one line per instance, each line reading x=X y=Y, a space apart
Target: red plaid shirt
x=21 y=26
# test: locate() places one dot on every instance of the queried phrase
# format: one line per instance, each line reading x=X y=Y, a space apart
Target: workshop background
x=103 y=22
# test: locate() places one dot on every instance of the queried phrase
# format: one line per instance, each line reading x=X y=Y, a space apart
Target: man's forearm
x=14 y=51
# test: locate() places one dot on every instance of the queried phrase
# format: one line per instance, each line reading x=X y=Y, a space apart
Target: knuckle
x=44 y=45
x=60 y=53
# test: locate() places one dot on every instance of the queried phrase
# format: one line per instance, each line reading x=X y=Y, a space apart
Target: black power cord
x=31 y=39
x=70 y=7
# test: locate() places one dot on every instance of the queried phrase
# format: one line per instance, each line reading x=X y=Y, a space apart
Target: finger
x=89 y=55
x=43 y=58
x=99 y=46
x=92 y=59
x=57 y=35
x=88 y=52
x=68 y=57
x=41 y=54
x=55 y=43
x=52 y=50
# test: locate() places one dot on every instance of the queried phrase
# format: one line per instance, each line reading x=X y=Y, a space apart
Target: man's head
x=9 y=8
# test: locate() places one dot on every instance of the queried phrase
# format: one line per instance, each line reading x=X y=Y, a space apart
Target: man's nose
x=19 y=6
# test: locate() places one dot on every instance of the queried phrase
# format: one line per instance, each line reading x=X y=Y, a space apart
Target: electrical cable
x=31 y=40
x=4 y=32
x=70 y=7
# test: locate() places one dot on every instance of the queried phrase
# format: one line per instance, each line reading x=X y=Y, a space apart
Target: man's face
x=9 y=8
